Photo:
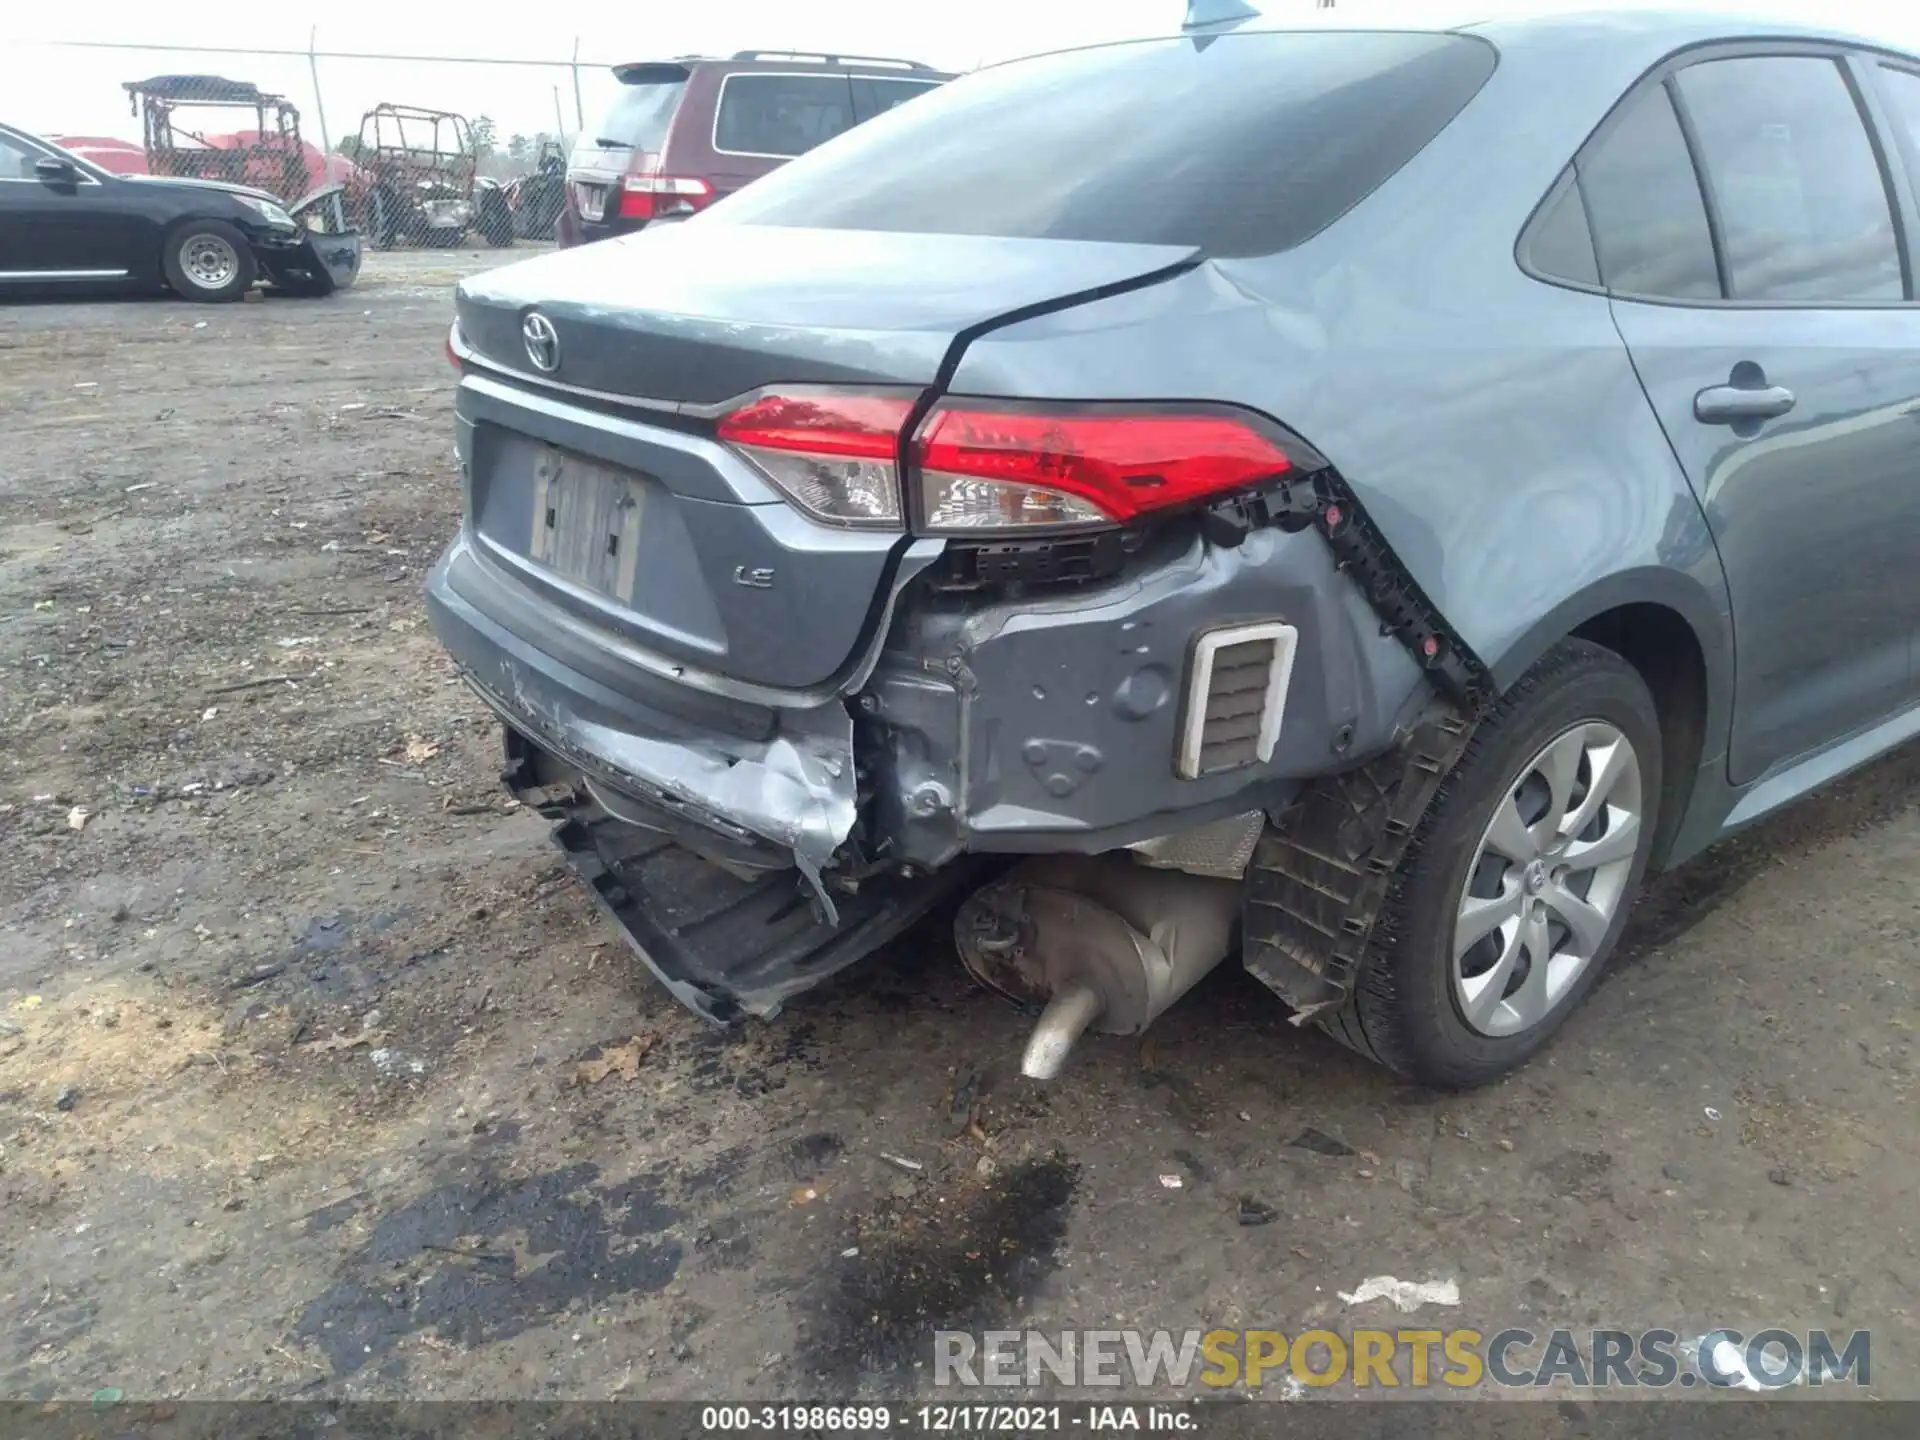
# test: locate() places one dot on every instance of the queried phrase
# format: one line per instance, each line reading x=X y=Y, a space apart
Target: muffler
x=1102 y=941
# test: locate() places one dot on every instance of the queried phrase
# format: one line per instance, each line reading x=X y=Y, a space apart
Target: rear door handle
x=1731 y=404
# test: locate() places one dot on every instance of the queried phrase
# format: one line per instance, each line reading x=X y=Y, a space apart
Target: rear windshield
x=1241 y=144
x=781 y=115
x=640 y=115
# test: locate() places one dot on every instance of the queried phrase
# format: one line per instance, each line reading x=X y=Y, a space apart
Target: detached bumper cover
x=722 y=945
x=771 y=794
x=312 y=263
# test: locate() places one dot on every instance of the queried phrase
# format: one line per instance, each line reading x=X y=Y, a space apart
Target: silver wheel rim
x=209 y=262
x=1547 y=879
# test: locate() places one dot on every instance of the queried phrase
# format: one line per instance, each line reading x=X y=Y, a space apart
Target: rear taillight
x=982 y=466
x=453 y=345
x=647 y=197
x=834 y=454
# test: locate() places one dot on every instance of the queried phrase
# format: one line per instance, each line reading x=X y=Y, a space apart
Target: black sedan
x=68 y=225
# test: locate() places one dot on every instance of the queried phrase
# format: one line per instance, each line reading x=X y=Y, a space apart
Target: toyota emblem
x=543 y=344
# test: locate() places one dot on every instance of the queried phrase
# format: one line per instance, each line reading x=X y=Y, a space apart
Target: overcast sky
x=57 y=90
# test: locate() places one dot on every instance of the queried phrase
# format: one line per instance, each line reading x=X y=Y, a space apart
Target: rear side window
x=640 y=115
x=783 y=115
x=1902 y=91
x=1803 y=209
x=1649 y=221
x=1242 y=144
x=875 y=96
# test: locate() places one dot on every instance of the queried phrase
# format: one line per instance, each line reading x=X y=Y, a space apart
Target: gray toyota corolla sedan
x=1348 y=502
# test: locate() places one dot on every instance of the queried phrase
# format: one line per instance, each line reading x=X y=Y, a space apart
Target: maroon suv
x=684 y=133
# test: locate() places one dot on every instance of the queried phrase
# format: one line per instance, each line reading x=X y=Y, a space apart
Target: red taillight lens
x=646 y=197
x=835 y=455
x=453 y=346
x=983 y=467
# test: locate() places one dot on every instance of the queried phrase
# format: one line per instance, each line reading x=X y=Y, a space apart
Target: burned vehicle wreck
x=1294 y=569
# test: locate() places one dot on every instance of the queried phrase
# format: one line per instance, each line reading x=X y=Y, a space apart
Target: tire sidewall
x=1429 y=1019
x=175 y=270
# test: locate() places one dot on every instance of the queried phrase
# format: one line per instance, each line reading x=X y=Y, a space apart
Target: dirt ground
x=317 y=1073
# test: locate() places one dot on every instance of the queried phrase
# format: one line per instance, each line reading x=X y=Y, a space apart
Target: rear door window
x=640 y=115
x=1242 y=144
x=874 y=95
x=781 y=115
x=1649 y=220
x=1803 y=210
x=1902 y=91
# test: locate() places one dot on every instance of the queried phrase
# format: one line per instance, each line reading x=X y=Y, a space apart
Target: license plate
x=591 y=200
x=586 y=521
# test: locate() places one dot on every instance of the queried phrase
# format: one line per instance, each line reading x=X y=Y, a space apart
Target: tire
x=208 y=261
x=1410 y=1004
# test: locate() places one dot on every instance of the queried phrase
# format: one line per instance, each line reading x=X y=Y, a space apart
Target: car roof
x=1659 y=31
x=825 y=62
x=1626 y=40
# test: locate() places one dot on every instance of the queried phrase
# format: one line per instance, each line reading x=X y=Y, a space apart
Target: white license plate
x=592 y=201
x=586 y=521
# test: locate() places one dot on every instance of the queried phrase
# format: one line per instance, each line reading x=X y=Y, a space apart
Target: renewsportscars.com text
x=1770 y=1359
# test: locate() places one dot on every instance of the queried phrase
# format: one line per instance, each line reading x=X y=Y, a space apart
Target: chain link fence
x=426 y=150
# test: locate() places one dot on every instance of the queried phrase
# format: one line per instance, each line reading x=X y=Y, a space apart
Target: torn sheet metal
x=795 y=791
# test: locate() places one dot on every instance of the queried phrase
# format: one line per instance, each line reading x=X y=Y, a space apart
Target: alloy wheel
x=1547 y=879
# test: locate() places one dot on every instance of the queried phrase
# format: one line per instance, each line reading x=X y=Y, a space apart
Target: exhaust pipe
x=1102 y=941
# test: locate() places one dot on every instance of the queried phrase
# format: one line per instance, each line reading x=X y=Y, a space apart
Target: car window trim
x=1669 y=65
x=1702 y=180
x=720 y=104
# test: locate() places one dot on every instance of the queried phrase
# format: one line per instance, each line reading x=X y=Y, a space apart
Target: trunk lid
x=697 y=313
x=632 y=520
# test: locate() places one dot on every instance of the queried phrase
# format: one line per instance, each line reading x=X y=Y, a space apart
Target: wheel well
x=1661 y=645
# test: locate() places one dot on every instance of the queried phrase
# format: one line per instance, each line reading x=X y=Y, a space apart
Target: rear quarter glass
x=1248 y=145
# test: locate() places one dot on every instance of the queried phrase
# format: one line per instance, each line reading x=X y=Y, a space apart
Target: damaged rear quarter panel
x=1492 y=427
x=1051 y=721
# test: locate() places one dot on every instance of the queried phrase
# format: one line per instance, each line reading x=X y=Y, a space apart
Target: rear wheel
x=1518 y=880
x=208 y=260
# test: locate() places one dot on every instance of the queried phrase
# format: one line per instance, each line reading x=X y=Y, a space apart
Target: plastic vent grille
x=1236 y=691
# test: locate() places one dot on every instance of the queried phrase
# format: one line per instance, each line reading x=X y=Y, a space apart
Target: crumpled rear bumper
x=767 y=787
x=701 y=835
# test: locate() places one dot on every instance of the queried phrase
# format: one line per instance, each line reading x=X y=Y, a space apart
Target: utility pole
x=319 y=105
x=579 y=112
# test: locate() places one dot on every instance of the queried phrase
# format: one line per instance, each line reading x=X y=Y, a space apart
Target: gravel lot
x=299 y=1018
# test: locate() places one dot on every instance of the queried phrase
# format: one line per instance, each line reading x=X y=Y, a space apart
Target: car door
x=1751 y=232
x=77 y=228
x=25 y=246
